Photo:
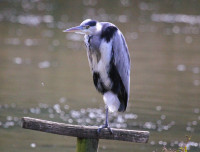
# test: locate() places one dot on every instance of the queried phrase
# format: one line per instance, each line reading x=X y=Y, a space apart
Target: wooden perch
x=87 y=136
x=84 y=131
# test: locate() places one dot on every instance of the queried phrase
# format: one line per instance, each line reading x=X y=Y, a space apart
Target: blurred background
x=44 y=72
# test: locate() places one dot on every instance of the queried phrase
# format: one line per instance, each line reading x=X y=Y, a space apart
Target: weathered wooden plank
x=84 y=131
x=87 y=145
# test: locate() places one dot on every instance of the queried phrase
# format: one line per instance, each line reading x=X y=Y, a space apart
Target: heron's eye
x=87 y=26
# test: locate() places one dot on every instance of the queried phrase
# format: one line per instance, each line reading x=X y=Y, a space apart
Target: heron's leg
x=106 y=125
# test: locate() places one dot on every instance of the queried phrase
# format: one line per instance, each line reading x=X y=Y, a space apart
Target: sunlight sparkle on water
x=195 y=70
x=181 y=67
x=44 y=64
x=196 y=82
x=32 y=145
x=17 y=60
x=176 y=18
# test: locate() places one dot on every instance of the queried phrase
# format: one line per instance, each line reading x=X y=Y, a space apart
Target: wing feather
x=122 y=59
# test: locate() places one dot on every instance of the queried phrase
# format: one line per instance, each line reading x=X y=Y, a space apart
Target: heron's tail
x=112 y=101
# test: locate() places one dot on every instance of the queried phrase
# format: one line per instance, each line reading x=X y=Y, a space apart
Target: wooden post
x=87 y=145
x=87 y=136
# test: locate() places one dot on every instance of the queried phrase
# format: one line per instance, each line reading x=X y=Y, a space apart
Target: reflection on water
x=44 y=72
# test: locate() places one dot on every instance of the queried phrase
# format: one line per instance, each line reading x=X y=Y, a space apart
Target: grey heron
x=109 y=62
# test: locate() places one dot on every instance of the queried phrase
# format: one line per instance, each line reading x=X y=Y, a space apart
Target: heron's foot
x=104 y=126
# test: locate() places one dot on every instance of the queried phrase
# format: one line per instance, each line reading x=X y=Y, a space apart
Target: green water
x=44 y=72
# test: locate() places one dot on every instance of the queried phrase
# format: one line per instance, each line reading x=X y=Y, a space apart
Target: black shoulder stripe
x=108 y=33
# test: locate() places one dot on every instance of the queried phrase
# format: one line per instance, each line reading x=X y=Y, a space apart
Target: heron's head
x=88 y=27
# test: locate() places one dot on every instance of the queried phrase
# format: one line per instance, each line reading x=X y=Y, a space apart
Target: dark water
x=44 y=72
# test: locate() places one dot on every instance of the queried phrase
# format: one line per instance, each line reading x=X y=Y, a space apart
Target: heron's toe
x=104 y=126
x=110 y=130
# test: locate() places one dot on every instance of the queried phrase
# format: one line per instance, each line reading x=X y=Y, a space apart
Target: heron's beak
x=76 y=29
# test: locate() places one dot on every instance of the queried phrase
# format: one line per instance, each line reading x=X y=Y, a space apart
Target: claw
x=104 y=126
x=110 y=130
